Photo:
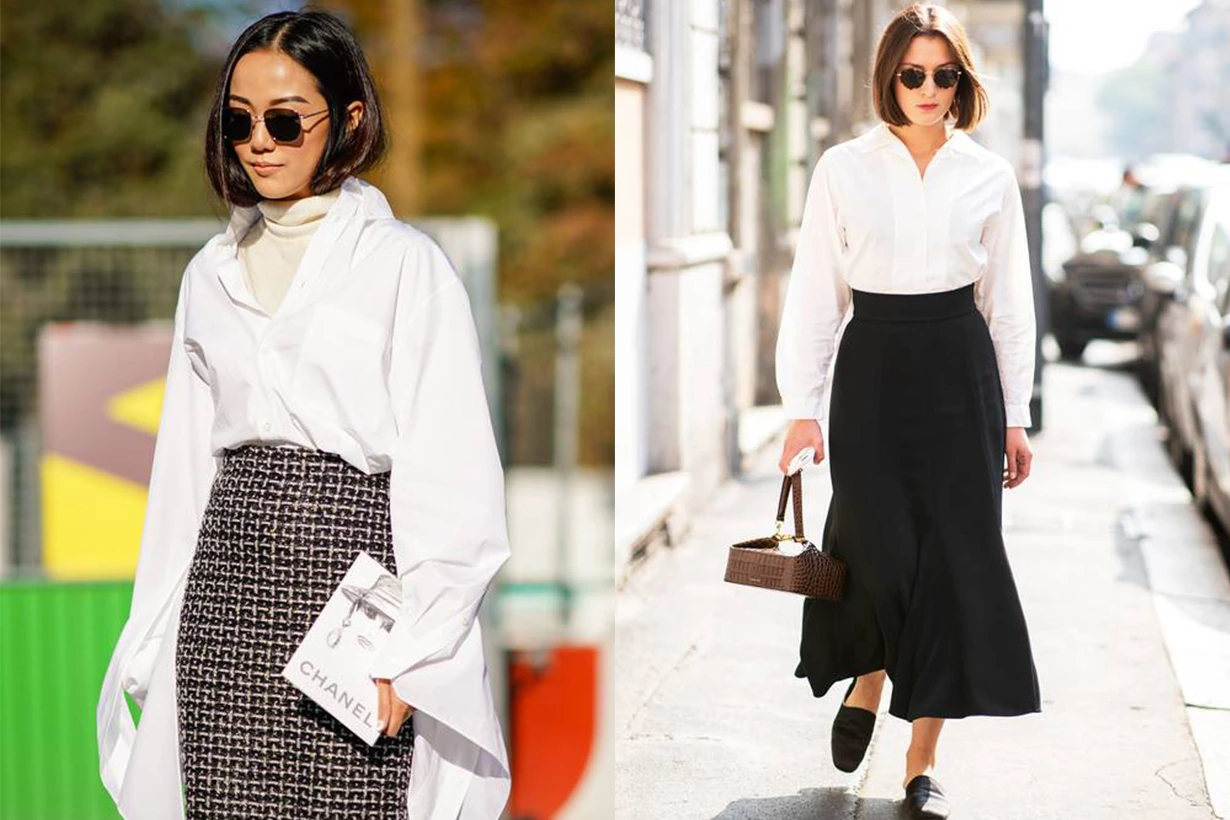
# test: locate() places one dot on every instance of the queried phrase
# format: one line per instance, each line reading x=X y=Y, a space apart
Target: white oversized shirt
x=372 y=355
x=872 y=223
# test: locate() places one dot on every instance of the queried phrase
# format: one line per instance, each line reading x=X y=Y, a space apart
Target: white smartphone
x=804 y=457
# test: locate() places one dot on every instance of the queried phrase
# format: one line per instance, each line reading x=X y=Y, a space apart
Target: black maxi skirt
x=916 y=453
x=280 y=529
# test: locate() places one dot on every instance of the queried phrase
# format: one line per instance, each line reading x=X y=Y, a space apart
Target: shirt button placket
x=263 y=356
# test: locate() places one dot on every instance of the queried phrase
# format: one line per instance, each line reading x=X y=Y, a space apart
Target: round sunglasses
x=283 y=124
x=913 y=78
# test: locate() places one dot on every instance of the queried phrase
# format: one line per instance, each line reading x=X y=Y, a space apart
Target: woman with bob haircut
x=324 y=396
x=921 y=231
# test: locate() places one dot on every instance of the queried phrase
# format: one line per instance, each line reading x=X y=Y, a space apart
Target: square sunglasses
x=913 y=78
x=283 y=124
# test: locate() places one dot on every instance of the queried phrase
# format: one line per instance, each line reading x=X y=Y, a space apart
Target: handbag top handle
x=791 y=482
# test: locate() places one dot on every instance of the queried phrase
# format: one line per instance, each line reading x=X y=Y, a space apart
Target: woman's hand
x=802 y=433
x=391 y=705
x=1020 y=457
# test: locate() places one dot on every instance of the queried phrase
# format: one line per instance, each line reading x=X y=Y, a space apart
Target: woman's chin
x=926 y=122
x=268 y=189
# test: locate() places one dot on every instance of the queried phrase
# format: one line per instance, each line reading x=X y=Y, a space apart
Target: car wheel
x=1146 y=374
x=1200 y=481
x=1070 y=350
x=1174 y=447
x=1180 y=456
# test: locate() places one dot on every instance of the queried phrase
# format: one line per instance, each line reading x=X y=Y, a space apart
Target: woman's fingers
x=1020 y=460
x=384 y=690
x=400 y=710
x=1025 y=460
x=802 y=433
x=393 y=711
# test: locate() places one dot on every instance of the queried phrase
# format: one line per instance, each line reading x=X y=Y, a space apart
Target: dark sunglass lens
x=283 y=125
x=912 y=77
x=946 y=77
x=236 y=125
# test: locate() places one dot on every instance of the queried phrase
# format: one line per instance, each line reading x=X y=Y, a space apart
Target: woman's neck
x=290 y=216
x=921 y=140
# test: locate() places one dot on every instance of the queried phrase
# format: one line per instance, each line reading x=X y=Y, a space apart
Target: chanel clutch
x=330 y=665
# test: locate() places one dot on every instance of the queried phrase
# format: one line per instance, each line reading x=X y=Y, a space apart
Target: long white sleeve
x=446 y=490
x=816 y=300
x=182 y=472
x=1005 y=298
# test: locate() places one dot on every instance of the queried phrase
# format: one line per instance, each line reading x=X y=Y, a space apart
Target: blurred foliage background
x=103 y=116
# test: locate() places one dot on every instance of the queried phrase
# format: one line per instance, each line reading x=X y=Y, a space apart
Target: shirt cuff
x=805 y=408
x=1018 y=415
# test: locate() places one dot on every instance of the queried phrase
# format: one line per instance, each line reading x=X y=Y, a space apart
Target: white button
x=267 y=426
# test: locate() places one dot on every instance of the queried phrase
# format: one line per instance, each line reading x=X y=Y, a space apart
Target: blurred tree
x=103 y=109
x=517 y=123
x=1137 y=103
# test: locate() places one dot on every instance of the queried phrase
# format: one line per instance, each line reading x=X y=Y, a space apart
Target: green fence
x=55 y=642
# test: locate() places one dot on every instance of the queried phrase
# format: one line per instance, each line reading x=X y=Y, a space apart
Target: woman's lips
x=265 y=170
x=929 y=106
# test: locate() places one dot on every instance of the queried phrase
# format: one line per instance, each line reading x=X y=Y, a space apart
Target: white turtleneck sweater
x=270 y=252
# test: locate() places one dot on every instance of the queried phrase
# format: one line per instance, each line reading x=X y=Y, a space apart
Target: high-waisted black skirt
x=916 y=453
x=281 y=527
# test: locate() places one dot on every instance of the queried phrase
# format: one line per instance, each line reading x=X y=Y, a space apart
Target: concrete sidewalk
x=711 y=723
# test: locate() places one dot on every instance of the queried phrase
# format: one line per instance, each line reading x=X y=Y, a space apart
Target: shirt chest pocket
x=341 y=370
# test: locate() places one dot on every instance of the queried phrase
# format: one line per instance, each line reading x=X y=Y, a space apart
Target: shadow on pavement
x=814 y=804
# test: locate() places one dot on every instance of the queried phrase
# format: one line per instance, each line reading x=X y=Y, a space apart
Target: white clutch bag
x=330 y=666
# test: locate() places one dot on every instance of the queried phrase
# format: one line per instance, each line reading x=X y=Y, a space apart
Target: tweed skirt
x=281 y=527
x=916 y=454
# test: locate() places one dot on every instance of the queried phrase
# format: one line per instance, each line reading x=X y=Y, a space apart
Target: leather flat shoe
x=925 y=798
x=852 y=729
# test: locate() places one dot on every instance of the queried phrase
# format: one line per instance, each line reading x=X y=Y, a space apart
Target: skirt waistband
x=293 y=461
x=913 y=307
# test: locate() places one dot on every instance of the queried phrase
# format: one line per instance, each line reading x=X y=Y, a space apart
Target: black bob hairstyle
x=325 y=46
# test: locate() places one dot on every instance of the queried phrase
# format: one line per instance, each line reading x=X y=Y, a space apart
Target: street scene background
x=1116 y=118
x=500 y=116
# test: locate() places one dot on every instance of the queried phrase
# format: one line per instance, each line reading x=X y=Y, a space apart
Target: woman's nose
x=260 y=136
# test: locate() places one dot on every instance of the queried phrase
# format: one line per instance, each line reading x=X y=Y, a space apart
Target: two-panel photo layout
x=648 y=410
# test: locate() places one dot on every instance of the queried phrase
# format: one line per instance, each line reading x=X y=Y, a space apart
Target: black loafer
x=925 y=798
x=851 y=733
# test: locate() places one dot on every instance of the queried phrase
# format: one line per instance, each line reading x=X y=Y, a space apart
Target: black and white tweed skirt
x=280 y=529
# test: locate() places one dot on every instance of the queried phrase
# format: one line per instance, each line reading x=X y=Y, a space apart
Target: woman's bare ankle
x=916 y=763
x=867 y=691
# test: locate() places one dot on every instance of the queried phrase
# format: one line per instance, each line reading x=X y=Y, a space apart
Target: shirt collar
x=881 y=137
x=358 y=202
x=356 y=195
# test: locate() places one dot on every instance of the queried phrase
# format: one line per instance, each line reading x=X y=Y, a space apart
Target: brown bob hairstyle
x=325 y=46
x=970 y=104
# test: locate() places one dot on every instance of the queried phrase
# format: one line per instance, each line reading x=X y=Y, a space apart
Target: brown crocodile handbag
x=760 y=562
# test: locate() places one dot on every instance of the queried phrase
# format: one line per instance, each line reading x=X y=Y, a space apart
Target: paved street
x=711 y=723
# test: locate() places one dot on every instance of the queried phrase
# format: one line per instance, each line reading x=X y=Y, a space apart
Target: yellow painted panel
x=92 y=521
x=140 y=407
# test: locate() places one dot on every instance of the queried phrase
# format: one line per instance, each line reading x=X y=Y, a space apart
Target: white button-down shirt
x=372 y=355
x=871 y=222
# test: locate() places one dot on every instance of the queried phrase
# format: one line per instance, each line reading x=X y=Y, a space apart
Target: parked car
x=1097 y=292
x=1193 y=334
x=1166 y=271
